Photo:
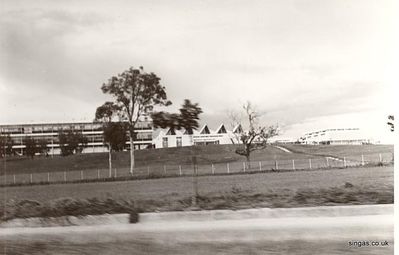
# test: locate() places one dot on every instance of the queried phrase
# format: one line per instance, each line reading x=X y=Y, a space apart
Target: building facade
x=335 y=136
x=91 y=130
x=177 y=138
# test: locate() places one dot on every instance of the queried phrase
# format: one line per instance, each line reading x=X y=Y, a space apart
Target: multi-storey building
x=335 y=136
x=50 y=131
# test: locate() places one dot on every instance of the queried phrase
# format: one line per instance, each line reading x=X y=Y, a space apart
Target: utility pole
x=195 y=182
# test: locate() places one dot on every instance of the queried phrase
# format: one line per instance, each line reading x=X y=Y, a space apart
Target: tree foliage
x=187 y=118
x=30 y=146
x=390 y=122
x=71 y=142
x=135 y=94
x=6 y=145
x=256 y=137
x=114 y=132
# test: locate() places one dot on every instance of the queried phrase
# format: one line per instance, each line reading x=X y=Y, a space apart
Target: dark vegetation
x=236 y=198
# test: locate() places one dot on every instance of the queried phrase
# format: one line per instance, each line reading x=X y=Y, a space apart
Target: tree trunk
x=248 y=161
x=131 y=154
x=110 y=160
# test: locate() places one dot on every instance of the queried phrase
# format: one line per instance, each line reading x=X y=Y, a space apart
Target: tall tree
x=256 y=137
x=6 y=145
x=114 y=132
x=42 y=147
x=71 y=142
x=136 y=93
x=30 y=146
x=187 y=118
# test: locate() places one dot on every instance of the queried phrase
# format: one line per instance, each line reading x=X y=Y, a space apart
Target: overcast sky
x=306 y=65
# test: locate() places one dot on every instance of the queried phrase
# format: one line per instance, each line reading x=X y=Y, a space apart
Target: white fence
x=202 y=169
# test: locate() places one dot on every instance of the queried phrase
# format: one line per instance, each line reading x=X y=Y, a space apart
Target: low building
x=335 y=136
x=165 y=138
x=50 y=131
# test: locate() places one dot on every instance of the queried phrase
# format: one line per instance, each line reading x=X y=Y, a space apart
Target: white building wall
x=195 y=138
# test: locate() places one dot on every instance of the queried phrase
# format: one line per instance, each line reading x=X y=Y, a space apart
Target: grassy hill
x=180 y=156
x=150 y=157
x=340 y=150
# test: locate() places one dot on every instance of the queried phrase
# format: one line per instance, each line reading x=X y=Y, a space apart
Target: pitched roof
x=205 y=130
x=221 y=129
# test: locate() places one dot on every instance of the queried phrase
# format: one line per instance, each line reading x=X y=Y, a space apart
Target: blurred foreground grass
x=148 y=246
x=236 y=198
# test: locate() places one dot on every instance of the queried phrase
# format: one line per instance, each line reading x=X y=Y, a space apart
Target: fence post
x=380 y=158
x=344 y=162
x=328 y=165
x=260 y=165
x=98 y=173
x=228 y=168
x=362 y=160
x=115 y=173
x=243 y=164
x=48 y=177
x=180 y=170
x=65 y=179
x=31 y=178
x=14 y=179
x=310 y=163
x=213 y=169
x=293 y=164
x=276 y=164
x=81 y=174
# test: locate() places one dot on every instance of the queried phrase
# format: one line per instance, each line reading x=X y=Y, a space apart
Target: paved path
x=283 y=149
x=287 y=235
x=319 y=228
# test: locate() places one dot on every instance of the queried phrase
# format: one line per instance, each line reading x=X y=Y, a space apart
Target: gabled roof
x=238 y=129
x=221 y=129
x=205 y=130
x=188 y=132
x=171 y=131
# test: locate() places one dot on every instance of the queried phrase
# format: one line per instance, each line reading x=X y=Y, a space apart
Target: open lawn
x=170 y=190
x=152 y=158
x=206 y=155
x=370 y=152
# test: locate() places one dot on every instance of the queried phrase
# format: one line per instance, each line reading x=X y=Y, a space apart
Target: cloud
x=295 y=60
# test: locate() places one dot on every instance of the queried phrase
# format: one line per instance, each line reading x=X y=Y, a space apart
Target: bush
x=69 y=207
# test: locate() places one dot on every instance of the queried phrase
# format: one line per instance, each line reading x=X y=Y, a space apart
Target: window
x=165 y=142
x=178 y=142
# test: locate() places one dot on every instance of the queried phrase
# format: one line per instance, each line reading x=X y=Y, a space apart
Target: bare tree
x=257 y=135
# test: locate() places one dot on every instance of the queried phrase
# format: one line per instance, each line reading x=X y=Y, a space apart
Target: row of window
x=29 y=129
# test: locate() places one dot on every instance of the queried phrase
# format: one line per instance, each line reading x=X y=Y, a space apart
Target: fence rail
x=203 y=169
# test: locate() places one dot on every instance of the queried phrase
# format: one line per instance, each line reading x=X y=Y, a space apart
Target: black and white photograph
x=198 y=127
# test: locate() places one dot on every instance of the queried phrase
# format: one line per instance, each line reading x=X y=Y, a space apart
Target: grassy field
x=170 y=190
x=340 y=150
x=151 y=157
x=156 y=158
x=284 y=189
